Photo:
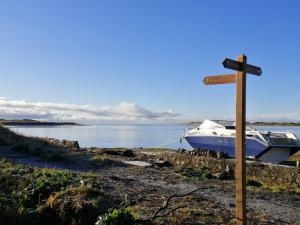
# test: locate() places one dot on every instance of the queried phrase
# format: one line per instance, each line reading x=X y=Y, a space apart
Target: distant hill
x=28 y=122
x=197 y=123
x=274 y=123
x=193 y=123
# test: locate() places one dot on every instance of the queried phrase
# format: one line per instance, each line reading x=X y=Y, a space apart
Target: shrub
x=47 y=180
x=116 y=217
x=40 y=185
x=75 y=205
x=203 y=173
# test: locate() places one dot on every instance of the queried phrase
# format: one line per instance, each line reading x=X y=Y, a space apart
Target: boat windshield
x=281 y=139
x=230 y=127
x=248 y=128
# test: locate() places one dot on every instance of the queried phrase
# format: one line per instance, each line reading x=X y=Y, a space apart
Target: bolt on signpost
x=242 y=68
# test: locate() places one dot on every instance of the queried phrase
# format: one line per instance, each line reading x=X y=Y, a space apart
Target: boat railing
x=295 y=135
x=262 y=137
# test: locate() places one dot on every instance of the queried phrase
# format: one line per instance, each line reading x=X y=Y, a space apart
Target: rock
x=76 y=145
x=128 y=153
x=119 y=152
x=162 y=163
x=138 y=163
x=224 y=175
x=231 y=205
x=222 y=155
x=227 y=169
x=182 y=150
x=63 y=143
x=208 y=154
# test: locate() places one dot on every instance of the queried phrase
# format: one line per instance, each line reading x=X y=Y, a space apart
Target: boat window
x=281 y=139
x=230 y=127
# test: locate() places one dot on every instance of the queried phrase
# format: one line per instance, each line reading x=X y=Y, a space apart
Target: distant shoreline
x=282 y=124
x=27 y=122
x=271 y=124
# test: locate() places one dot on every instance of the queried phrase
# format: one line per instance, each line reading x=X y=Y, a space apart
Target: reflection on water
x=113 y=135
x=123 y=135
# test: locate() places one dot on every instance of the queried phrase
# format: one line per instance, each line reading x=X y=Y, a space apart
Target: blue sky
x=146 y=58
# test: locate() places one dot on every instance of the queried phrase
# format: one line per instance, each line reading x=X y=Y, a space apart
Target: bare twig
x=169 y=212
x=166 y=204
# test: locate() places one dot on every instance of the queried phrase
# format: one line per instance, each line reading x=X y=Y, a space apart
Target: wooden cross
x=242 y=68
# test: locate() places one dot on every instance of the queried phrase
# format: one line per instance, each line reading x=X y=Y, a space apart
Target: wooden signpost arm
x=240 y=143
x=220 y=79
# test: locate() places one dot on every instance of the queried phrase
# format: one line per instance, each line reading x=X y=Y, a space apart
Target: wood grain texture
x=219 y=79
x=240 y=149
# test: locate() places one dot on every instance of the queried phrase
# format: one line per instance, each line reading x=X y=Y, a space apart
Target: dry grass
x=295 y=157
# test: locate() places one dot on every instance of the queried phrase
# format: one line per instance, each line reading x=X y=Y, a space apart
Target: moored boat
x=267 y=146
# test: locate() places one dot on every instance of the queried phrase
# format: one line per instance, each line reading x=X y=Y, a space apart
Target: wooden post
x=240 y=167
x=242 y=68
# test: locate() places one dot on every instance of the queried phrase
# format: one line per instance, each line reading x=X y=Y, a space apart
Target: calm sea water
x=122 y=135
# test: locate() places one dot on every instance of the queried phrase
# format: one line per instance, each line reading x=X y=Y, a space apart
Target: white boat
x=266 y=146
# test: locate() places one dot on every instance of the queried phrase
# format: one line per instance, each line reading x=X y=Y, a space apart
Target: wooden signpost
x=242 y=68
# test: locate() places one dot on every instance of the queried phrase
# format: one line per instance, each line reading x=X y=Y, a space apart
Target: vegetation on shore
x=283 y=124
x=28 y=122
x=33 y=196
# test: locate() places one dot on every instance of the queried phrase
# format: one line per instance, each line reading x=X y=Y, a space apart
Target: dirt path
x=42 y=163
x=31 y=160
x=283 y=207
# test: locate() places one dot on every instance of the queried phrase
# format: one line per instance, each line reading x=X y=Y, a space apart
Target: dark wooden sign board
x=237 y=65
x=242 y=68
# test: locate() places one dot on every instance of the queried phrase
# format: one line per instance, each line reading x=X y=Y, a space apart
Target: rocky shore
x=56 y=182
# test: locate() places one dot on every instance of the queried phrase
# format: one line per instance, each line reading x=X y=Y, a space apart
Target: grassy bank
x=33 y=196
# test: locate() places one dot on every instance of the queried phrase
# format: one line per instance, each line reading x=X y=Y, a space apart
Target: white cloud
x=19 y=109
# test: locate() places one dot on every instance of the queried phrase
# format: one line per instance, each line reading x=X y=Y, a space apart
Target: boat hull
x=277 y=153
x=225 y=144
x=254 y=147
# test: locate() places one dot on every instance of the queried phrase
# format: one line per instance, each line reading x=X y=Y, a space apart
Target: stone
x=162 y=163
